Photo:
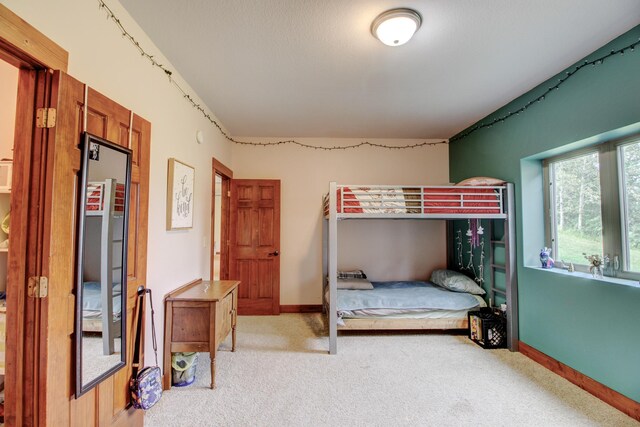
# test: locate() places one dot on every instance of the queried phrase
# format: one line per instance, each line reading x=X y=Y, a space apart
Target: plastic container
x=183 y=368
x=488 y=328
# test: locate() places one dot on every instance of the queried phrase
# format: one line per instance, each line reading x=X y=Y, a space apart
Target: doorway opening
x=220 y=216
x=217 y=216
x=8 y=100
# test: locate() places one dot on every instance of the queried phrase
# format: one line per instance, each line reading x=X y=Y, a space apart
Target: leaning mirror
x=101 y=287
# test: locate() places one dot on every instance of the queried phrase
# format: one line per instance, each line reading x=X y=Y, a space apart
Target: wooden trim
x=402 y=324
x=22 y=326
x=301 y=308
x=218 y=168
x=599 y=390
x=166 y=350
x=28 y=45
x=26 y=48
x=221 y=169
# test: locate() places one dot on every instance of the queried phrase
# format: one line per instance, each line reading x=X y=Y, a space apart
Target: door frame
x=218 y=168
x=35 y=55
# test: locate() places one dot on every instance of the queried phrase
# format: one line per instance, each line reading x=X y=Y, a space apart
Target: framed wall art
x=180 y=182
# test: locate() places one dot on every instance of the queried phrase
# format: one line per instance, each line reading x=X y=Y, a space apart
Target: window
x=630 y=191
x=593 y=201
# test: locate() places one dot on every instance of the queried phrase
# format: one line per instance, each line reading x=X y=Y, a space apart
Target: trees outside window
x=593 y=200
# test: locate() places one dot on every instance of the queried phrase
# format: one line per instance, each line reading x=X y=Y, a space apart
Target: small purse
x=145 y=385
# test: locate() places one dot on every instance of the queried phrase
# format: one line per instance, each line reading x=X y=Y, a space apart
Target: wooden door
x=111 y=121
x=254 y=244
x=107 y=404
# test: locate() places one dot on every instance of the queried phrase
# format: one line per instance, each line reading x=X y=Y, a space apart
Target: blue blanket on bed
x=92 y=297
x=404 y=295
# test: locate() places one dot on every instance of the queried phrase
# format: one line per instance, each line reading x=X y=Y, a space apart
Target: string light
x=209 y=117
x=475 y=128
x=568 y=74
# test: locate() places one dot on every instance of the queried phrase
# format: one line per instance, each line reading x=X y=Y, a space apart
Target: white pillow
x=482 y=180
x=456 y=282
x=361 y=284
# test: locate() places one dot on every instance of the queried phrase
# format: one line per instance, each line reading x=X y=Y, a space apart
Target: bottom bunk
x=398 y=305
x=92 y=313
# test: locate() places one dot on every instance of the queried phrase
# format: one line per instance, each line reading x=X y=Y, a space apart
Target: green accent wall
x=592 y=326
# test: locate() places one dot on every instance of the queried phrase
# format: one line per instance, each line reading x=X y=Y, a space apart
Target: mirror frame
x=89 y=139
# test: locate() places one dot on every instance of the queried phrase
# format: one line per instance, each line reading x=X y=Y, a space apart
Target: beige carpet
x=281 y=375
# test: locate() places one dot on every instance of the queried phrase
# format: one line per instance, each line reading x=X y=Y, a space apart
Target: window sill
x=615 y=280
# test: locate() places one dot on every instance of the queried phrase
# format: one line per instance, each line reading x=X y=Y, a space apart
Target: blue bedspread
x=404 y=295
x=92 y=298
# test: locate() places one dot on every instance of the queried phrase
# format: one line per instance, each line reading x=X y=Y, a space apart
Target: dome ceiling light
x=395 y=27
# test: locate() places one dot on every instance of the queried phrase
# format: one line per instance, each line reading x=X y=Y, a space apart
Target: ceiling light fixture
x=395 y=27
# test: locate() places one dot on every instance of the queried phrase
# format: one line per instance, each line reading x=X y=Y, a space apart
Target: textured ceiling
x=311 y=68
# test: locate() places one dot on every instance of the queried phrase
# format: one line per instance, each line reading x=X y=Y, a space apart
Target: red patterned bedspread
x=95 y=200
x=419 y=200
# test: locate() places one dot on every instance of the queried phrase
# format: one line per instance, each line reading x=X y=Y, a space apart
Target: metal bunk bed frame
x=106 y=212
x=332 y=215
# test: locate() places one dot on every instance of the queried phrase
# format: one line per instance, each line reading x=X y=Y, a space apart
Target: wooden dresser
x=198 y=317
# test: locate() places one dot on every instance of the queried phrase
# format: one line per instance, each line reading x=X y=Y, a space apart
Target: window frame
x=612 y=205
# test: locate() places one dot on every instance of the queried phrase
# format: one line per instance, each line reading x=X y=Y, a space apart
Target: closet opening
x=220 y=216
x=217 y=194
x=8 y=98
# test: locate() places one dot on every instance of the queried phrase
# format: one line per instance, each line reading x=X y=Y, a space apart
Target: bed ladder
x=107 y=268
x=496 y=242
x=508 y=268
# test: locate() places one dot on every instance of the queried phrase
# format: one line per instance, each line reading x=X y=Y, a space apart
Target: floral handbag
x=145 y=385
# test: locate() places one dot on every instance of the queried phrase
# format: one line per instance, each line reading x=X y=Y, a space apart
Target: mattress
x=92 y=301
x=414 y=313
x=405 y=299
x=405 y=295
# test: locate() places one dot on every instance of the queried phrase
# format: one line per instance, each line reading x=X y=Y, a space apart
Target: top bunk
x=417 y=202
x=105 y=198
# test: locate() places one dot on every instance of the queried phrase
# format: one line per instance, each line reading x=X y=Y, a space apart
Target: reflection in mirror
x=101 y=286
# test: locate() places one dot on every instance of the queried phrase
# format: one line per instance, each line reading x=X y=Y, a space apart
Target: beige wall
x=384 y=249
x=106 y=61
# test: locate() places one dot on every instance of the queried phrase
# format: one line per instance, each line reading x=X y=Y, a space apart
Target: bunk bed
x=101 y=291
x=451 y=203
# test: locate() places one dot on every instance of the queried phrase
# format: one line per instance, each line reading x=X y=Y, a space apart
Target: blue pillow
x=455 y=281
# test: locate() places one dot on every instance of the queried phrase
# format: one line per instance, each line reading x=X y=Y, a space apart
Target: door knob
x=274 y=253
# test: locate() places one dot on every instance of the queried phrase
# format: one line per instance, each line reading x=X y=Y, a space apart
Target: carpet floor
x=281 y=375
